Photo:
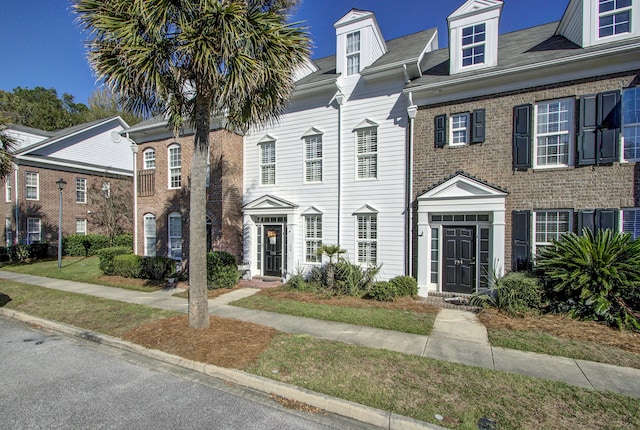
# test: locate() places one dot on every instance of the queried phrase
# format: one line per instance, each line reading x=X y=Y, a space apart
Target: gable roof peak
x=472 y=7
x=352 y=16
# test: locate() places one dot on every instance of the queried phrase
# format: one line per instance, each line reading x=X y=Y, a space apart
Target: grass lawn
x=408 y=385
x=80 y=269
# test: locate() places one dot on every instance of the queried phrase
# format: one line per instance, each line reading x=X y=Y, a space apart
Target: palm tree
x=196 y=59
x=7 y=145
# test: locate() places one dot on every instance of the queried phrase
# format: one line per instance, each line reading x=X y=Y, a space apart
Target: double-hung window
x=81 y=226
x=81 y=190
x=34 y=229
x=554 y=133
x=312 y=238
x=149 y=235
x=550 y=225
x=32 y=182
x=473 y=44
x=367 y=238
x=268 y=163
x=175 y=166
x=149 y=158
x=614 y=17
x=459 y=129
x=631 y=123
x=631 y=222
x=175 y=236
x=367 y=152
x=353 y=53
x=106 y=190
x=7 y=188
x=313 y=158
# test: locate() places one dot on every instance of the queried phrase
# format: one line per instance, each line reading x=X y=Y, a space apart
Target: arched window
x=175 y=236
x=149 y=158
x=175 y=166
x=149 y=235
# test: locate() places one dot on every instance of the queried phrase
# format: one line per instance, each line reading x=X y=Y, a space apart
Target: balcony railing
x=146 y=183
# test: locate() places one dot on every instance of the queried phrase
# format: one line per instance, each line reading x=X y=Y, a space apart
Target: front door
x=459 y=264
x=273 y=250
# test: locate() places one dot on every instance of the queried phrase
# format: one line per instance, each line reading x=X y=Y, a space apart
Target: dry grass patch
x=226 y=343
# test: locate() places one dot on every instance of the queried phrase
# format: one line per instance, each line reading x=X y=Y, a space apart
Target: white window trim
x=82 y=222
x=264 y=165
x=353 y=54
x=83 y=190
x=466 y=129
x=170 y=237
x=368 y=260
x=148 y=218
x=317 y=238
x=534 y=239
x=363 y=127
x=624 y=125
x=306 y=142
x=570 y=132
x=473 y=45
x=145 y=160
x=170 y=168
x=634 y=214
x=39 y=231
x=613 y=12
x=8 y=231
x=8 y=189
x=37 y=186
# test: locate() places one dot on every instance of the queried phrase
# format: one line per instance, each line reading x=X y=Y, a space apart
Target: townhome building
x=84 y=157
x=162 y=175
x=333 y=169
x=518 y=138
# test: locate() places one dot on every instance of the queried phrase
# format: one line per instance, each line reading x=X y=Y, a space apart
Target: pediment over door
x=461 y=186
x=269 y=203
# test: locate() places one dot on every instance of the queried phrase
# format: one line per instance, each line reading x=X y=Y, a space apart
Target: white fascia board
x=523 y=73
x=49 y=162
x=319 y=85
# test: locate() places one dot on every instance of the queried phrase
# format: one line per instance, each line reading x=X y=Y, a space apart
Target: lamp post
x=61 y=184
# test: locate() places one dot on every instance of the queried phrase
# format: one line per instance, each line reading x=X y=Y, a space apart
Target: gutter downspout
x=134 y=150
x=412 y=111
x=340 y=100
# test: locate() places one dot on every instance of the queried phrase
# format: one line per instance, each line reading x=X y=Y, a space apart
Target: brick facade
x=224 y=194
x=615 y=185
x=46 y=206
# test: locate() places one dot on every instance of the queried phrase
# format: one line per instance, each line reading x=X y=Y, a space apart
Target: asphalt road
x=50 y=381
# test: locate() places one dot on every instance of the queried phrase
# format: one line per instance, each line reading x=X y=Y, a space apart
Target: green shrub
x=4 y=254
x=222 y=270
x=107 y=255
x=594 y=277
x=127 y=265
x=516 y=293
x=405 y=286
x=124 y=239
x=383 y=291
x=19 y=252
x=157 y=268
x=84 y=245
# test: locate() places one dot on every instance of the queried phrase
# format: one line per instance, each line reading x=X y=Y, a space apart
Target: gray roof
x=158 y=119
x=517 y=49
x=399 y=50
x=31 y=130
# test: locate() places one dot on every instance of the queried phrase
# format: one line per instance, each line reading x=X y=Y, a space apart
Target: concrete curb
x=356 y=411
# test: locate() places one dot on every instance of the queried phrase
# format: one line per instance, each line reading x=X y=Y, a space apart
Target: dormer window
x=614 y=17
x=473 y=44
x=353 y=53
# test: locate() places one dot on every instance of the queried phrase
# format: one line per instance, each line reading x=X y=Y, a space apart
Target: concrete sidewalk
x=456 y=337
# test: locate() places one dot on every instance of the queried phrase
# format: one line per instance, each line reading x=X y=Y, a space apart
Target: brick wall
x=224 y=195
x=605 y=186
x=46 y=207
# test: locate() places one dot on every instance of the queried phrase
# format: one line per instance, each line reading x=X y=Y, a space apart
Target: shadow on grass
x=4 y=299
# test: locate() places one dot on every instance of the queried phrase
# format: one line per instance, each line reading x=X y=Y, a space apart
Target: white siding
x=23 y=138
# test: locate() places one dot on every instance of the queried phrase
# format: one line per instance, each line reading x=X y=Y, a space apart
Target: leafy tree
x=196 y=59
x=597 y=276
x=103 y=103
x=7 y=145
x=111 y=207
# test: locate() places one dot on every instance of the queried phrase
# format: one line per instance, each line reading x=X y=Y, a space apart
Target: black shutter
x=607 y=218
x=477 y=126
x=522 y=137
x=609 y=126
x=440 y=126
x=521 y=238
x=599 y=128
x=586 y=219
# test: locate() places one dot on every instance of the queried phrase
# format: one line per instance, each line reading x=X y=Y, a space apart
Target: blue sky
x=42 y=45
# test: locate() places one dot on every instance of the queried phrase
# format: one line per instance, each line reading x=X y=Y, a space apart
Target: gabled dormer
x=359 y=42
x=593 y=22
x=473 y=35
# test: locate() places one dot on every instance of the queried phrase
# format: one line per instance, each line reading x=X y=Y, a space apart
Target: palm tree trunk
x=198 y=306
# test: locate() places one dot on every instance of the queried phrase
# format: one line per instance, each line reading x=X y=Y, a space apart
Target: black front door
x=459 y=265
x=272 y=250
